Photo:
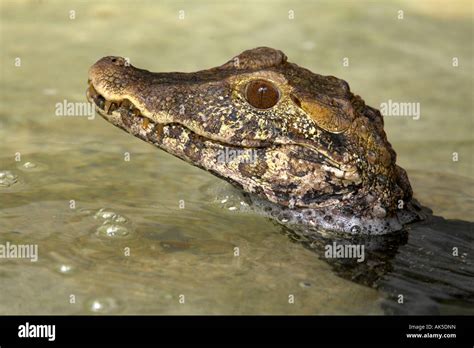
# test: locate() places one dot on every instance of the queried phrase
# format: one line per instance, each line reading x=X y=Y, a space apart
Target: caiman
x=301 y=141
x=307 y=151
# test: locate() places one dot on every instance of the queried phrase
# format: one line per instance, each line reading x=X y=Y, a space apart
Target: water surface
x=118 y=236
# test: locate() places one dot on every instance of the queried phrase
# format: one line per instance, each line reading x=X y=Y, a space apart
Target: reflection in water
x=190 y=250
x=427 y=264
x=128 y=247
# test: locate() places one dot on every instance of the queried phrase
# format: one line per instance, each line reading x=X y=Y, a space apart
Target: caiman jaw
x=203 y=152
x=124 y=114
x=120 y=112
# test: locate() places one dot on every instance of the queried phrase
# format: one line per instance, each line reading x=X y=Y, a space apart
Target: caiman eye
x=261 y=94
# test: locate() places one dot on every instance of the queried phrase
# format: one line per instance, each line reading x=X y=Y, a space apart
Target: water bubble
x=109 y=216
x=112 y=231
x=96 y=306
x=65 y=269
x=7 y=178
x=102 y=305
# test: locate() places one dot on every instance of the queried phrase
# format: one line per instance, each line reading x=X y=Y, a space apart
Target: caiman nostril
x=118 y=61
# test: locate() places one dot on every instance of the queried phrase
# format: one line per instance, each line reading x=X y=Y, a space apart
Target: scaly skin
x=320 y=153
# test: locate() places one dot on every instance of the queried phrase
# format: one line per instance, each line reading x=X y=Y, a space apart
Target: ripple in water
x=32 y=167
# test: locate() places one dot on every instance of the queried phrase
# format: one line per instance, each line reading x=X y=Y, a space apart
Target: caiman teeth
x=100 y=101
x=110 y=106
x=134 y=112
x=92 y=93
x=159 y=129
x=145 y=123
x=95 y=96
x=125 y=103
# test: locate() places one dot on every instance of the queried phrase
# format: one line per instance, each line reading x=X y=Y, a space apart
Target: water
x=154 y=235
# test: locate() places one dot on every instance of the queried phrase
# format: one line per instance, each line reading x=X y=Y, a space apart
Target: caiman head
x=297 y=139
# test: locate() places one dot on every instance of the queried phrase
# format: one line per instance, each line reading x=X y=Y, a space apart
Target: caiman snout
x=113 y=76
